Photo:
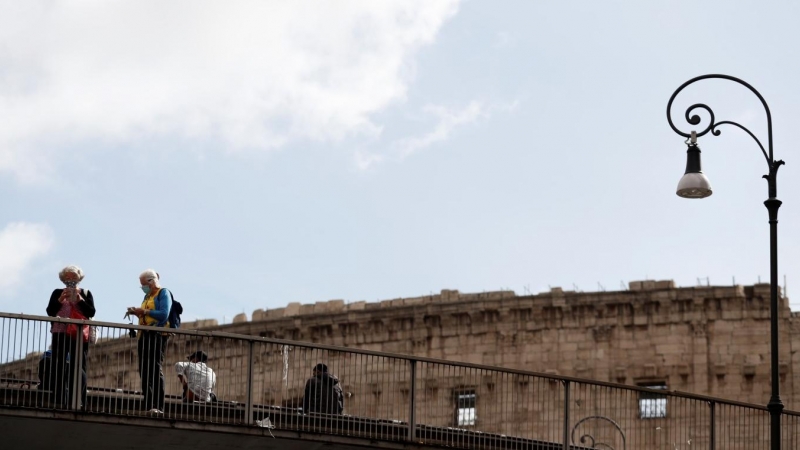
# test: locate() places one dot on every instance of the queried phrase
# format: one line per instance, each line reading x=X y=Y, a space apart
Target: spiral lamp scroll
x=584 y=438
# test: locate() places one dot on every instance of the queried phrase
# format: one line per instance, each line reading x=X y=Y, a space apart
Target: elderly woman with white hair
x=154 y=312
x=69 y=302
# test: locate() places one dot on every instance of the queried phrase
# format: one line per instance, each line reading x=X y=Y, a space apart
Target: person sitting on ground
x=197 y=378
x=323 y=394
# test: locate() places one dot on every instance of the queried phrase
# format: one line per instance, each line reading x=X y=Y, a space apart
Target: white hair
x=149 y=275
x=71 y=269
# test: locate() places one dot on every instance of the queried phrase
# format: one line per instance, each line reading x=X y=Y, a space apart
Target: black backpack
x=175 y=312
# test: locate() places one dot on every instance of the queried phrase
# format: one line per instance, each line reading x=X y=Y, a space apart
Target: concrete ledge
x=34 y=429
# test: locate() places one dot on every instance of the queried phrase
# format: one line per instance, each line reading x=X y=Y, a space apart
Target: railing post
x=248 y=419
x=566 y=415
x=412 y=395
x=712 y=436
x=77 y=371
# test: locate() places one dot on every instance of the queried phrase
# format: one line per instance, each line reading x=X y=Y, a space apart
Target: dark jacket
x=47 y=381
x=86 y=307
x=323 y=394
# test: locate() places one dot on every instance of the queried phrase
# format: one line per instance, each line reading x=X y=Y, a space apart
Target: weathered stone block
x=414 y=301
x=273 y=313
x=665 y=284
x=584 y=372
x=664 y=296
x=336 y=306
x=240 y=318
x=620 y=374
x=292 y=309
x=259 y=315
x=448 y=295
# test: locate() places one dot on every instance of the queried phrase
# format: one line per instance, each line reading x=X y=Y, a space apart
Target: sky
x=257 y=153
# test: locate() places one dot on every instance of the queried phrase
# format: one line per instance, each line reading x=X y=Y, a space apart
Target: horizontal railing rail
x=261 y=381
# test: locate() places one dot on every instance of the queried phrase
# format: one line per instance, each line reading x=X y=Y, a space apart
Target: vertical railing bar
x=380 y=382
x=77 y=371
x=24 y=343
x=566 y=414
x=249 y=396
x=117 y=362
x=3 y=342
x=14 y=352
x=28 y=349
x=712 y=434
x=36 y=343
x=308 y=355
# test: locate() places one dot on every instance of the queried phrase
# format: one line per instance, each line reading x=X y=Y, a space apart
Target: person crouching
x=197 y=378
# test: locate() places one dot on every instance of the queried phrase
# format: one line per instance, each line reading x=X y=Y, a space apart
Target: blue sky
x=260 y=153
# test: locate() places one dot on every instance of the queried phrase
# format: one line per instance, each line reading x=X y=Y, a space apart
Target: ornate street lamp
x=694 y=184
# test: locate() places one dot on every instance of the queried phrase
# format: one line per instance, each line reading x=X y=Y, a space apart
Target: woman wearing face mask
x=154 y=312
x=63 y=303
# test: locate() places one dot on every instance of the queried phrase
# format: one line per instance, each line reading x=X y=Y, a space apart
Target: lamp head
x=694 y=183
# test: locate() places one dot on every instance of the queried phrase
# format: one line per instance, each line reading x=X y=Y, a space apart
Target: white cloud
x=20 y=245
x=448 y=120
x=247 y=74
x=365 y=159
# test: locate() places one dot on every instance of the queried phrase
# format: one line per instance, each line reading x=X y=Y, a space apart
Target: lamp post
x=694 y=184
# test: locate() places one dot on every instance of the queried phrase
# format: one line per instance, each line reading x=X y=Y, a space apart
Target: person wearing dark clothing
x=154 y=312
x=150 y=349
x=46 y=378
x=323 y=394
x=66 y=303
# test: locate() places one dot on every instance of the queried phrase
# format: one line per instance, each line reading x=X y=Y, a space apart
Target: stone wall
x=704 y=340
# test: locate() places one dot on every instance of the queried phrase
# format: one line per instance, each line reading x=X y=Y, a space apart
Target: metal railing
x=390 y=397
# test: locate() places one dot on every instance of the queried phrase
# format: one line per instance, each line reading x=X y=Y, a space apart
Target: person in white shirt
x=197 y=378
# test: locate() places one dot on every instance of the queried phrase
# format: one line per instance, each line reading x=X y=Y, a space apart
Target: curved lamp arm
x=694 y=119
